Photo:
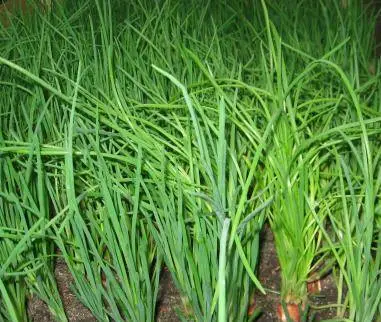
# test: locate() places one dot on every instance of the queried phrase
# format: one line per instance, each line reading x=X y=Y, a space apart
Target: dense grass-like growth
x=135 y=135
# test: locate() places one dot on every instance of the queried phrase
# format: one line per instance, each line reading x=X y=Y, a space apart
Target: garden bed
x=225 y=151
x=169 y=299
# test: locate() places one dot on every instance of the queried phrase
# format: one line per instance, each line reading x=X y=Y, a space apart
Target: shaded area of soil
x=38 y=311
x=74 y=309
x=169 y=299
x=269 y=275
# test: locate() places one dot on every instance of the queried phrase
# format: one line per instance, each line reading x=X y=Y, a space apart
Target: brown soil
x=75 y=311
x=269 y=275
x=169 y=298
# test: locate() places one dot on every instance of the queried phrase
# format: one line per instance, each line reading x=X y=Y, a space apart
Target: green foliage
x=141 y=134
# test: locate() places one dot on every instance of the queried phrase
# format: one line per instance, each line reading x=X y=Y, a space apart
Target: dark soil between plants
x=269 y=275
x=169 y=298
